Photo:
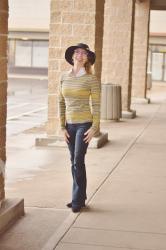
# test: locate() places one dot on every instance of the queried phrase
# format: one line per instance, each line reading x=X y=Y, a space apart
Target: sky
x=35 y=15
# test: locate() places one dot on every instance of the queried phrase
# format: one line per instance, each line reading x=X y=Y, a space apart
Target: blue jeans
x=78 y=148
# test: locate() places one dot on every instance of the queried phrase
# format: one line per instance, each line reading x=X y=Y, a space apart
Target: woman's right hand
x=66 y=135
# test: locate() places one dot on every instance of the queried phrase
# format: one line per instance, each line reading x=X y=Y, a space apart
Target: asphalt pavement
x=27 y=104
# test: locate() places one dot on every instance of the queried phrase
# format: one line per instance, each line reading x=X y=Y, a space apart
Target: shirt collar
x=81 y=72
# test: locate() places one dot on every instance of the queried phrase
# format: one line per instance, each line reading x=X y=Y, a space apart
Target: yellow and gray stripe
x=79 y=100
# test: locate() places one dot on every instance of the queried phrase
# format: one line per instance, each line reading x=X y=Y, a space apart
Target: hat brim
x=70 y=51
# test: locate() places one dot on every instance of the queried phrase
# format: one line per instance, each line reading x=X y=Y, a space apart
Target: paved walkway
x=126 y=204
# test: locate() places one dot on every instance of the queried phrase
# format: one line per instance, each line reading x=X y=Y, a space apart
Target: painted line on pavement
x=26 y=113
x=17 y=106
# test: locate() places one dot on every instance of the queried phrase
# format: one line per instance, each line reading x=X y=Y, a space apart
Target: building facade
x=157 y=46
x=29 y=36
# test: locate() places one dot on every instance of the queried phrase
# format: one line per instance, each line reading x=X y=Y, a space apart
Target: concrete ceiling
x=158 y=4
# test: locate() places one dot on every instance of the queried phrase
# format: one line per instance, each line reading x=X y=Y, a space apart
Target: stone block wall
x=3 y=90
x=71 y=22
x=118 y=46
x=141 y=41
x=99 y=31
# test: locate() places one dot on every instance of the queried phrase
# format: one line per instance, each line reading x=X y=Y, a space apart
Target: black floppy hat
x=70 y=51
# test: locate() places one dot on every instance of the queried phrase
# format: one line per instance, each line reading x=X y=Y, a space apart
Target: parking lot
x=27 y=104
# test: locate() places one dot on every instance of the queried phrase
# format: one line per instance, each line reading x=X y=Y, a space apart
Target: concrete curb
x=129 y=114
x=136 y=100
x=58 y=141
x=11 y=210
x=61 y=231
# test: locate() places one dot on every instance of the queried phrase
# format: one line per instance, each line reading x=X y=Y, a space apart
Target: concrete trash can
x=149 y=80
x=111 y=105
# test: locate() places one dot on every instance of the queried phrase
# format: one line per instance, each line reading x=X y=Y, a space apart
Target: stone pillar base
x=136 y=100
x=58 y=141
x=10 y=211
x=129 y=114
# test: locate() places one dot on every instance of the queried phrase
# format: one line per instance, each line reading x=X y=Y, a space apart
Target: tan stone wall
x=3 y=89
x=141 y=39
x=72 y=22
x=118 y=46
x=99 y=31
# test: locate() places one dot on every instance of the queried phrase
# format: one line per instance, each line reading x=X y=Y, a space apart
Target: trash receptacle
x=149 y=80
x=111 y=105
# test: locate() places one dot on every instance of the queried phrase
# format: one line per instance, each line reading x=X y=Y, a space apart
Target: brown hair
x=88 y=68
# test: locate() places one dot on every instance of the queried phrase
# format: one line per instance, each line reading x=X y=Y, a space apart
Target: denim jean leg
x=78 y=148
x=79 y=170
x=71 y=145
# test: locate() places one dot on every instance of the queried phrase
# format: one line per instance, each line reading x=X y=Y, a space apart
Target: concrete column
x=10 y=209
x=140 y=56
x=3 y=91
x=118 y=48
x=71 y=22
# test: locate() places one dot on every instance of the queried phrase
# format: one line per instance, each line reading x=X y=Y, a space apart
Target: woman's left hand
x=88 y=135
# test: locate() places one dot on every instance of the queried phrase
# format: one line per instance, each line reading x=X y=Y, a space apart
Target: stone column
x=3 y=91
x=118 y=48
x=140 y=56
x=10 y=209
x=71 y=22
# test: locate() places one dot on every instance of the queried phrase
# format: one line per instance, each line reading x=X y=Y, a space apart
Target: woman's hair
x=88 y=68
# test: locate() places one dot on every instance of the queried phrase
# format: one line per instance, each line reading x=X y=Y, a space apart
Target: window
x=11 y=52
x=158 y=62
x=40 y=54
x=23 y=53
x=28 y=54
x=157 y=66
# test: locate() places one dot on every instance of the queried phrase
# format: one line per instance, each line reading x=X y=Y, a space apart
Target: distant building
x=28 y=37
x=29 y=34
x=157 y=45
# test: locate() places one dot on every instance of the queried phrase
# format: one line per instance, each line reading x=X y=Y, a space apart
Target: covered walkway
x=126 y=189
x=126 y=178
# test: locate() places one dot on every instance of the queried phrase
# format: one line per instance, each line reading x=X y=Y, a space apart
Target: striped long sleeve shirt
x=79 y=100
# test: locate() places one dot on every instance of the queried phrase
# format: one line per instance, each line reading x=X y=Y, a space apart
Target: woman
x=79 y=105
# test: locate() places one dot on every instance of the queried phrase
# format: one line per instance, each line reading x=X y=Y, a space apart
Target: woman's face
x=80 y=55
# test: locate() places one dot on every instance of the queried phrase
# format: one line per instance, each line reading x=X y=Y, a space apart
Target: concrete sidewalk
x=126 y=188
